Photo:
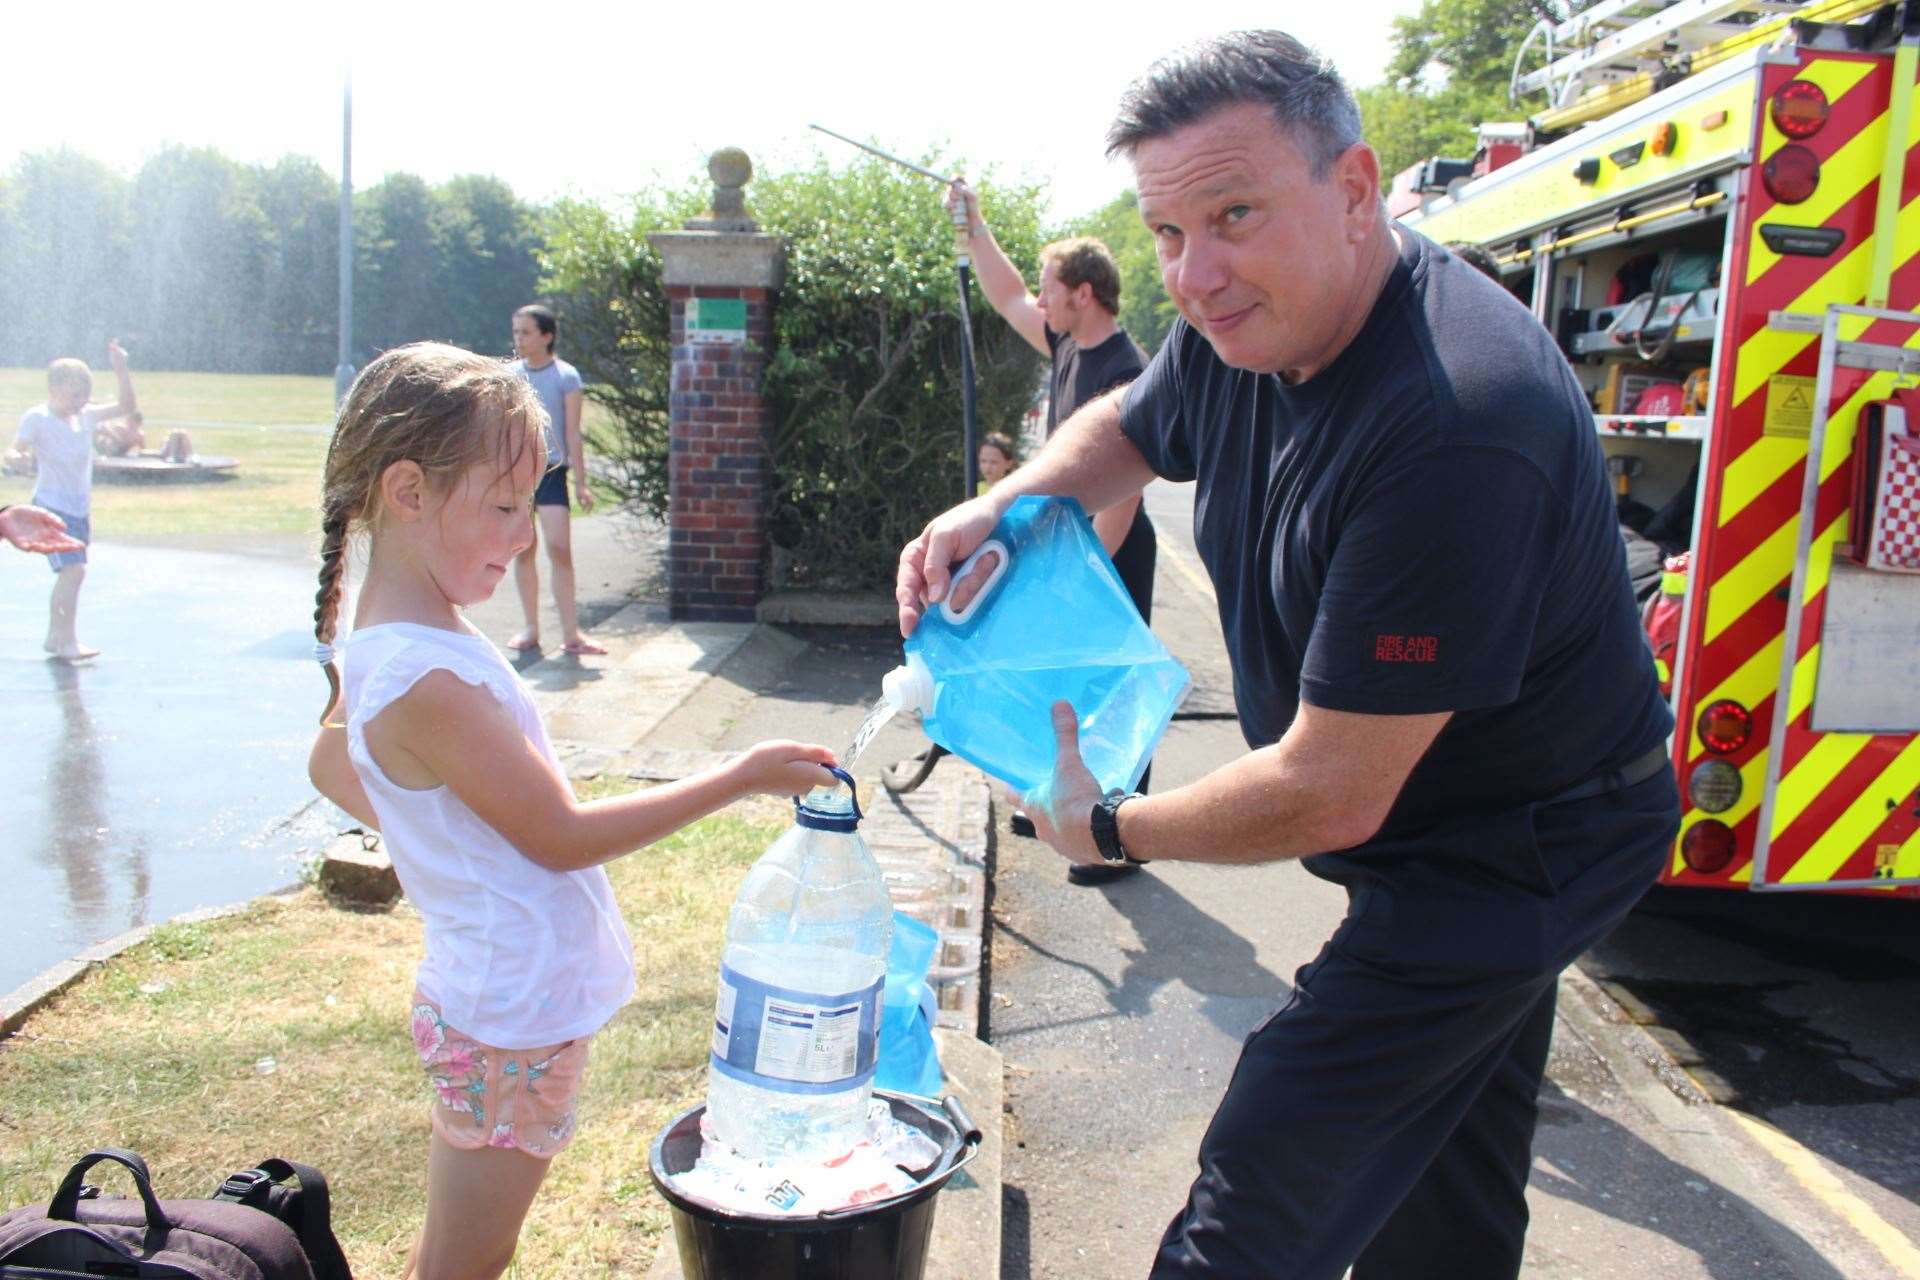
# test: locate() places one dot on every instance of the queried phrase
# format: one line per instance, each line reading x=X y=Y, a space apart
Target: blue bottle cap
x=831 y=819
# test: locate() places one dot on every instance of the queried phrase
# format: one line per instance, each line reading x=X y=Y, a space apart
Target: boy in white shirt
x=58 y=439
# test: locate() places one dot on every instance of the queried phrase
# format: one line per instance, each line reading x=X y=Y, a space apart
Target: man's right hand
x=960 y=195
x=926 y=563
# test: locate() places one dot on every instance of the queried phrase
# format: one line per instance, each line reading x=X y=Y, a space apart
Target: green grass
x=265 y=421
x=163 y=1051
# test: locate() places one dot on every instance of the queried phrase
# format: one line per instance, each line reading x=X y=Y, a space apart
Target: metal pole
x=343 y=371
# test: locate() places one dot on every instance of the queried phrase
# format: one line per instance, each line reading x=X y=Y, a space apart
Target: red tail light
x=1791 y=176
x=1707 y=847
x=1799 y=108
x=1725 y=727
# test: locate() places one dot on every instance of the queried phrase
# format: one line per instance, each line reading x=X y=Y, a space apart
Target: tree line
x=200 y=262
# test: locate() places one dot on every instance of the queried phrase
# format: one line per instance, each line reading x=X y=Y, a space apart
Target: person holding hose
x=1437 y=668
x=1073 y=321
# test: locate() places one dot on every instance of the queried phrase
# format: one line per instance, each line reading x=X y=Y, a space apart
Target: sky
x=601 y=99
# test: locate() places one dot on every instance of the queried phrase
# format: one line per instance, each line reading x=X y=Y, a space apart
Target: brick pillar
x=722 y=278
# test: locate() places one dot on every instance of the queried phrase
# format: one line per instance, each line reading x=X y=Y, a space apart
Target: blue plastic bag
x=909 y=1061
x=1053 y=622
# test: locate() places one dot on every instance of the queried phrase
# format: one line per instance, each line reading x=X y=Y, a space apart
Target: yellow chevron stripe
x=1843 y=839
x=1768 y=351
x=1816 y=770
x=1906 y=863
x=1744 y=585
x=1754 y=471
x=1801 y=695
x=1749 y=685
x=1744 y=875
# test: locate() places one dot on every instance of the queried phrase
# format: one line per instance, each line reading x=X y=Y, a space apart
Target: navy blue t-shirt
x=1425 y=525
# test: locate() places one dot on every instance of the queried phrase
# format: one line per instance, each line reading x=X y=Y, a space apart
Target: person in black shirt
x=1073 y=320
x=1401 y=501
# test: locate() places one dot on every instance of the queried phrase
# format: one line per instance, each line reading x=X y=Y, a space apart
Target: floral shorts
x=516 y=1098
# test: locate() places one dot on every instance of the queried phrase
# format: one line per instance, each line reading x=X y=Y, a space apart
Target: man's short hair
x=68 y=373
x=1084 y=260
x=1307 y=96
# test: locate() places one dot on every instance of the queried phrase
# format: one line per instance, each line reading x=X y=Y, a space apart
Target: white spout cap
x=909 y=688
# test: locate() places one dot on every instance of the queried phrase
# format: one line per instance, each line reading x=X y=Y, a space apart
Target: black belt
x=1630 y=774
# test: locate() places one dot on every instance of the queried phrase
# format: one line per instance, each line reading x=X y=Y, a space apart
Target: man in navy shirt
x=1437 y=666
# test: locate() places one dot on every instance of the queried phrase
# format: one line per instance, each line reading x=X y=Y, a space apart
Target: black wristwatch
x=1106 y=825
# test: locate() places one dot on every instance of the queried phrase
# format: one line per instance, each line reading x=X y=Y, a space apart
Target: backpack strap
x=314 y=1224
x=65 y=1205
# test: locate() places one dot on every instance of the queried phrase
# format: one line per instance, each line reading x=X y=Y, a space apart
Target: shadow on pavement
x=1642 y=1187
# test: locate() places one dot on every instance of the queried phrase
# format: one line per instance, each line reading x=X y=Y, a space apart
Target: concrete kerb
x=41 y=990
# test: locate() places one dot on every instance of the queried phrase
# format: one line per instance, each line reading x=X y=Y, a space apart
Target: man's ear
x=1083 y=295
x=403 y=487
x=1357 y=173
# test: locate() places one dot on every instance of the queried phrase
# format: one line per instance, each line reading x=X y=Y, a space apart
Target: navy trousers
x=1383 y=1119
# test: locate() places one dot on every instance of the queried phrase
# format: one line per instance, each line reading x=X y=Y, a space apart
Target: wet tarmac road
x=167 y=774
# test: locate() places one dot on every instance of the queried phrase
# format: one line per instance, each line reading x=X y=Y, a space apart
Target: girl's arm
x=333 y=777
x=576 y=444
x=445 y=731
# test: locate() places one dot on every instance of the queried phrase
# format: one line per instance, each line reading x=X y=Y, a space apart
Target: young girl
x=436 y=457
x=996 y=459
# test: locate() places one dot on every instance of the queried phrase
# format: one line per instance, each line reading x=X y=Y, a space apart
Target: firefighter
x=1438 y=669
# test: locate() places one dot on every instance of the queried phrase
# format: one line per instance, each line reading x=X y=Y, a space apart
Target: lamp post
x=343 y=371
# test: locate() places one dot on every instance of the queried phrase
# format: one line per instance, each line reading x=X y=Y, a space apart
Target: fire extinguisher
x=1662 y=618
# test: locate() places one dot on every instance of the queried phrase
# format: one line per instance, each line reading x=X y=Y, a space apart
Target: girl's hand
x=782 y=768
x=583 y=494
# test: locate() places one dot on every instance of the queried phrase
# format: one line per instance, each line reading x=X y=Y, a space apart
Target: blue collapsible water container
x=1054 y=621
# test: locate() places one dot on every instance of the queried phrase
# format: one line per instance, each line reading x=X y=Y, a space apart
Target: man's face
x=1265 y=262
x=1059 y=305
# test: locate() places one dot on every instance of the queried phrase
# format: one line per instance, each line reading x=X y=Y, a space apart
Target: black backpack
x=253 y=1229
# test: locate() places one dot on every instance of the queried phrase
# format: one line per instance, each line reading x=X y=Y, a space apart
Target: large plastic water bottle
x=796 y=1026
x=1053 y=621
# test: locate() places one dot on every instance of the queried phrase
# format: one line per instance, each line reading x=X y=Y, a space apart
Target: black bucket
x=884 y=1240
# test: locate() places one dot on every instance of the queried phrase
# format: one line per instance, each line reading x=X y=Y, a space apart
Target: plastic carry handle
x=852 y=790
x=66 y=1201
x=959 y=618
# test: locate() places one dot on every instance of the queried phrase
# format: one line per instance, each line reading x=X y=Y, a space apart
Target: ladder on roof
x=1616 y=40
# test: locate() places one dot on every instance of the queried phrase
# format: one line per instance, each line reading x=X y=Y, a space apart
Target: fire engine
x=1717 y=212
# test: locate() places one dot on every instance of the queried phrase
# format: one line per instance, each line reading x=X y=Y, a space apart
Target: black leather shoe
x=1101 y=873
x=1022 y=825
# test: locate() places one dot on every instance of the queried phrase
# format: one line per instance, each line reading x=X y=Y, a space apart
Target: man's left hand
x=1066 y=820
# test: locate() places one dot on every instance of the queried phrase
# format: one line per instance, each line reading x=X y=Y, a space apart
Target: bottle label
x=794 y=1041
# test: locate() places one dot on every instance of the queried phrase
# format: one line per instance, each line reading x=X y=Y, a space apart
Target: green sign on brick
x=717 y=319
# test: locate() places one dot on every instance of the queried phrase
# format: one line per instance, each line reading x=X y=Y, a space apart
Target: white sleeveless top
x=518 y=956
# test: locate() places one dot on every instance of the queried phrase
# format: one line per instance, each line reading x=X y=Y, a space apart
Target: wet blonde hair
x=67 y=372
x=439 y=406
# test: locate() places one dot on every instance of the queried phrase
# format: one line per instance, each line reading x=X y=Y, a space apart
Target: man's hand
x=116 y=355
x=926 y=563
x=959 y=196
x=40 y=532
x=1064 y=816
